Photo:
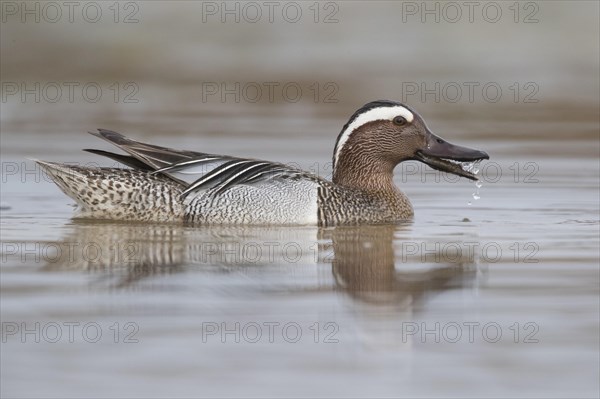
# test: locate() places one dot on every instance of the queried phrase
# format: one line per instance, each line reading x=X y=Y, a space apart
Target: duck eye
x=399 y=120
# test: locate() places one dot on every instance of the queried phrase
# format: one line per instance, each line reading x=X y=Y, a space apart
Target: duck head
x=383 y=133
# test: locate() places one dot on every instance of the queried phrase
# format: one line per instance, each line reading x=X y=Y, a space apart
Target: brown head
x=384 y=133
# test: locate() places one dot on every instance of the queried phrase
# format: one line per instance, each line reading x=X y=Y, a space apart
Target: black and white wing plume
x=239 y=171
x=196 y=170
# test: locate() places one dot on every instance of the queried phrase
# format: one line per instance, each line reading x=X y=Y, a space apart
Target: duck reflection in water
x=375 y=264
x=369 y=263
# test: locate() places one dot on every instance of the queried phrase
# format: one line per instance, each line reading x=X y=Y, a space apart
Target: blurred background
x=521 y=70
x=278 y=80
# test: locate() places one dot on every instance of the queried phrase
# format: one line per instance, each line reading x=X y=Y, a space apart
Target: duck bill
x=447 y=157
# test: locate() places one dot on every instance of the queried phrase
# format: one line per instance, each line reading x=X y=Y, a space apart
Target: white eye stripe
x=375 y=114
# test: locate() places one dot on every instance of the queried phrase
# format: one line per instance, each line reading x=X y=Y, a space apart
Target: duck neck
x=365 y=173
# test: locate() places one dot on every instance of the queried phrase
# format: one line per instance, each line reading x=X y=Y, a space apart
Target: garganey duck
x=167 y=185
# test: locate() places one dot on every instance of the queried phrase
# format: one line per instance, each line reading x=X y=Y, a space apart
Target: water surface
x=520 y=262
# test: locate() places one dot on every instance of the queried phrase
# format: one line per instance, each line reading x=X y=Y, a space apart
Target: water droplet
x=478 y=185
x=473 y=167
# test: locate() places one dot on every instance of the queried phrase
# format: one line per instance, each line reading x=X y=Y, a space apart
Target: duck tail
x=72 y=180
x=117 y=194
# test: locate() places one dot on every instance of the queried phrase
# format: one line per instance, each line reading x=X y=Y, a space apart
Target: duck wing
x=196 y=170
